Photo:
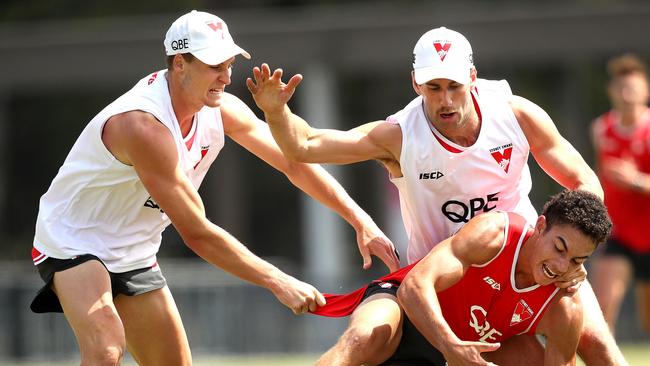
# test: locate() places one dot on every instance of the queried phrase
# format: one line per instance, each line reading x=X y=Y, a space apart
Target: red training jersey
x=485 y=305
x=628 y=209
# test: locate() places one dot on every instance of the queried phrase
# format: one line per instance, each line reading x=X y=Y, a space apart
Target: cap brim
x=217 y=55
x=425 y=74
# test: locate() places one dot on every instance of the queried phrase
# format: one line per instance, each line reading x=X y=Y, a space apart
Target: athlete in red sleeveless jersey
x=493 y=280
x=622 y=145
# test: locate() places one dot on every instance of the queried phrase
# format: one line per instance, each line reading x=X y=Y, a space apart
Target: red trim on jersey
x=476 y=106
x=190 y=141
x=38 y=257
x=446 y=145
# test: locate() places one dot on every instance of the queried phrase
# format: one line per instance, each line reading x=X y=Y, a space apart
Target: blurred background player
x=622 y=143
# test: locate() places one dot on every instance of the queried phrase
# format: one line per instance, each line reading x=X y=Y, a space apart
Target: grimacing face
x=560 y=250
x=206 y=83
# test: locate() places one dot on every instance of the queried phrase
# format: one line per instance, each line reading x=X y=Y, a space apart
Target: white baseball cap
x=442 y=53
x=203 y=35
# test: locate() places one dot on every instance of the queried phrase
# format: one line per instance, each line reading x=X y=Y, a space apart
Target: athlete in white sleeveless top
x=457 y=150
x=97 y=204
x=444 y=184
x=134 y=170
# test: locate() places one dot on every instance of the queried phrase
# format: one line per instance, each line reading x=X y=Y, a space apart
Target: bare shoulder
x=125 y=132
x=526 y=111
x=481 y=238
x=235 y=114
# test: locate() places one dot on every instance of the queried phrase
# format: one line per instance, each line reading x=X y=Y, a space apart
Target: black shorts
x=413 y=348
x=129 y=283
x=640 y=261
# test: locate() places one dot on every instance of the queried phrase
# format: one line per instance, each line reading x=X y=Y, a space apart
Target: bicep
x=152 y=151
x=476 y=243
x=554 y=154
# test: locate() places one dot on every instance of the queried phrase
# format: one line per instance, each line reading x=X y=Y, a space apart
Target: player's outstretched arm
x=300 y=142
x=241 y=124
x=138 y=139
x=476 y=243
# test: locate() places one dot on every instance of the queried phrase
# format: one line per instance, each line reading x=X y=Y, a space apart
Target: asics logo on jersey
x=457 y=211
x=490 y=281
x=431 y=175
x=478 y=322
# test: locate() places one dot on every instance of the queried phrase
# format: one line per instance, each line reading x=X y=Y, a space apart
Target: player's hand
x=573 y=280
x=270 y=93
x=469 y=353
x=372 y=241
x=622 y=172
x=298 y=296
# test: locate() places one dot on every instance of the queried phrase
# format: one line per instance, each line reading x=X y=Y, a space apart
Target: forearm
x=591 y=184
x=219 y=248
x=315 y=181
x=421 y=305
x=291 y=133
x=641 y=183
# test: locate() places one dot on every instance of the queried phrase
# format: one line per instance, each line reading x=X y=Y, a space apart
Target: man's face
x=205 y=84
x=447 y=103
x=628 y=91
x=559 y=251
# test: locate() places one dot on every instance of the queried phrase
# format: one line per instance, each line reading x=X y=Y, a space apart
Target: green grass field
x=637 y=355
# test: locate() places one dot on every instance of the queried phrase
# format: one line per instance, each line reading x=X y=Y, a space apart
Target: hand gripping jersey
x=485 y=305
x=629 y=210
x=98 y=205
x=444 y=185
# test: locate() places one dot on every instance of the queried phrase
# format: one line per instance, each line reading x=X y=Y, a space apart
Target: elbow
x=406 y=295
x=298 y=154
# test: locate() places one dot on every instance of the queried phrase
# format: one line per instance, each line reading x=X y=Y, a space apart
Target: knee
x=104 y=342
x=370 y=345
x=104 y=355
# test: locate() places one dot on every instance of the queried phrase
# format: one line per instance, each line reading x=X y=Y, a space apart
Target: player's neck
x=464 y=133
x=523 y=275
x=183 y=108
x=630 y=117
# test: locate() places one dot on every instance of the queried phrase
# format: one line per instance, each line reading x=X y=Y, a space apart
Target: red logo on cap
x=217 y=27
x=442 y=49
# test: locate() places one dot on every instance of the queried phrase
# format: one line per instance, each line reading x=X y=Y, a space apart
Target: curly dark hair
x=580 y=209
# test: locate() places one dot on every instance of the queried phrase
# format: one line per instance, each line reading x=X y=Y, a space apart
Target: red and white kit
x=485 y=305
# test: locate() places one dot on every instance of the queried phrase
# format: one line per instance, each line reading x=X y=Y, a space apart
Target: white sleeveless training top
x=98 y=205
x=444 y=184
